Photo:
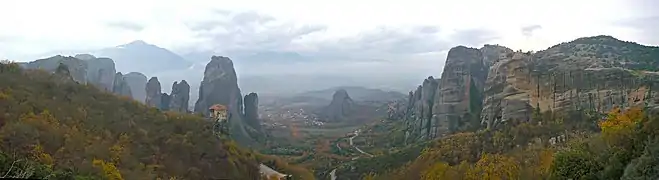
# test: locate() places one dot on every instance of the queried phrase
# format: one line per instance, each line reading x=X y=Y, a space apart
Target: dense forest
x=52 y=127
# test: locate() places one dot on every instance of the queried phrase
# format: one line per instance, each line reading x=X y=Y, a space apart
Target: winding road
x=357 y=148
x=333 y=173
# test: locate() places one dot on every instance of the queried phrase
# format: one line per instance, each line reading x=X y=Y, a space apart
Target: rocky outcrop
x=84 y=56
x=77 y=68
x=165 y=100
x=593 y=74
x=340 y=107
x=492 y=53
x=492 y=86
x=62 y=73
x=251 y=101
x=459 y=97
x=83 y=68
x=63 y=70
x=180 y=97
x=419 y=111
x=153 y=93
x=120 y=86
x=454 y=102
x=220 y=86
x=507 y=91
x=137 y=83
x=100 y=72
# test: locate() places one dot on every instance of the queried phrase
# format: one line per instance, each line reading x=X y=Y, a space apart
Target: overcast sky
x=411 y=34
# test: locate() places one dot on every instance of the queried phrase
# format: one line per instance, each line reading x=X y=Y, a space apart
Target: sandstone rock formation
x=180 y=96
x=63 y=73
x=220 y=86
x=492 y=53
x=77 y=68
x=459 y=96
x=153 y=93
x=506 y=91
x=84 y=57
x=120 y=86
x=62 y=69
x=165 y=100
x=588 y=74
x=137 y=83
x=100 y=72
x=340 y=107
x=83 y=68
x=420 y=110
x=251 y=101
x=592 y=74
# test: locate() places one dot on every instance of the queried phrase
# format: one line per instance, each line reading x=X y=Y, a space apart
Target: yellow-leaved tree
x=42 y=156
x=109 y=170
x=619 y=125
x=440 y=171
x=494 y=167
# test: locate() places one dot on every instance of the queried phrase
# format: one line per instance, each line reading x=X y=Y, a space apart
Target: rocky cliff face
x=77 y=68
x=251 y=101
x=340 y=107
x=220 y=86
x=120 y=86
x=165 y=101
x=137 y=83
x=85 y=57
x=491 y=86
x=492 y=53
x=588 y=74
x=419 y=111
x=180 y=96
x=83 y=68
x=507 y=90
x=100 y=72
x=153 y=93
x=459 y=99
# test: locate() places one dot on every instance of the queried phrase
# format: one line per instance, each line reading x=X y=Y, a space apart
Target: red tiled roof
x=218 y=107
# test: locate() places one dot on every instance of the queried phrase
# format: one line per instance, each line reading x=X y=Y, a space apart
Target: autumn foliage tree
x=619 y=126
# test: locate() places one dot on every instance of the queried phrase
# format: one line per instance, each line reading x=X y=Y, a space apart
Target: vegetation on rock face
x=610 y=51
x=55 y=127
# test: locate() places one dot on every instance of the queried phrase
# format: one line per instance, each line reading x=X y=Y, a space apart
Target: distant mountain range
x=139 y=56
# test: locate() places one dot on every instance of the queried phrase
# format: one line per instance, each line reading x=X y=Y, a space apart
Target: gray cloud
x=124 y=25
x=254 y=37
x=384 y=43
x=473 y=37
x=647 y=28
x=528 y=30
x=249 y=31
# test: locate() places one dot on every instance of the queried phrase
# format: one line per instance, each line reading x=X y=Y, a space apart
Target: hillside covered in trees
x=52 y=127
